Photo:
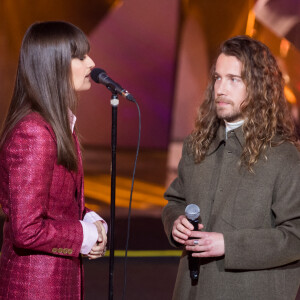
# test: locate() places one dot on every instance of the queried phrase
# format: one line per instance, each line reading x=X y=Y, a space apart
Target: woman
x=47 y=226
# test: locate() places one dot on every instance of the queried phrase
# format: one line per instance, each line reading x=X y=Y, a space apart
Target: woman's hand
x=98 y=250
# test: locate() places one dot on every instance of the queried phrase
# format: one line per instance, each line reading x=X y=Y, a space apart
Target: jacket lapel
x=78 y=177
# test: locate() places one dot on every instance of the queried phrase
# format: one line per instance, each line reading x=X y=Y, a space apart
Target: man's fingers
x=185 y=222
x=206 y=244
x=181 y=231
x=200 y=226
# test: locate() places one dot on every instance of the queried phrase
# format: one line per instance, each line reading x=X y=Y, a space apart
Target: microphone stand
x=114 y=103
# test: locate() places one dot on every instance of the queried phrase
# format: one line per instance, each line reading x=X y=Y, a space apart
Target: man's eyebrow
x=228 y=75
x=234 y=75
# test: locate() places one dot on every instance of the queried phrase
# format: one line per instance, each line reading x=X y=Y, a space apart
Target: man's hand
x=99 y=248
x=206 y=244
x=182 y=229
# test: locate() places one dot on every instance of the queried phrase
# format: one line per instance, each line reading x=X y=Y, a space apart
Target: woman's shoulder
x=32 y=118
x=33 y=137
x=34 y=123
x=32 y=128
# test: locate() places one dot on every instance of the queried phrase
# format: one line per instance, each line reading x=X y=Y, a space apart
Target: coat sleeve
x=264 y=248
x=176 y=201
x=31 y=157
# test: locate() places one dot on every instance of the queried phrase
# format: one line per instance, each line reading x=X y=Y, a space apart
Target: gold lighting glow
x=284 y=47
x=145 y=195
x=289 y=95
x=250 y=23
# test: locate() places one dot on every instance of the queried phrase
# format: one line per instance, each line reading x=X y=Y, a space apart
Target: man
x=241 y=166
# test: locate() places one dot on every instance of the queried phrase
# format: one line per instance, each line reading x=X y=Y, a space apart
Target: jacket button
x=60 y=250
x=70 y=251
x=54 y=250
x=65 y=251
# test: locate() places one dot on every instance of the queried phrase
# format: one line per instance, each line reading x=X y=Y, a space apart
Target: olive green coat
x=258 y=214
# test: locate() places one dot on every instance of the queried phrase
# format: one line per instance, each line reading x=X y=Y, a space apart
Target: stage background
x=161 y=51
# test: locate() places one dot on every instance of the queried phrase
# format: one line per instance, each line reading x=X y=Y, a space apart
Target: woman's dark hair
x=44 y=82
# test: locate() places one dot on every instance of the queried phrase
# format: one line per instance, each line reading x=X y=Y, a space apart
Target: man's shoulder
x=285 y=153
x=187 y=150
x=287 y=148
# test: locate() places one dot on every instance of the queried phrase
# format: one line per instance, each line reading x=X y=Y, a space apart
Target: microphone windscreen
x=192 y=212
x=95 y=74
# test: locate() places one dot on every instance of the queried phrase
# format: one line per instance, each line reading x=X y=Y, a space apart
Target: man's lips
x=221 y=103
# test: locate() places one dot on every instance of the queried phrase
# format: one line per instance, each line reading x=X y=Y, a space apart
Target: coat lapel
x=78 y=177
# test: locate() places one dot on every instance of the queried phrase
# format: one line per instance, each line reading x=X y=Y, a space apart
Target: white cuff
x=92 y=217
x=90 y=237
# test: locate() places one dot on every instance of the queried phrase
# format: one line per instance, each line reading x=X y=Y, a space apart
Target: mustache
x=223 y=100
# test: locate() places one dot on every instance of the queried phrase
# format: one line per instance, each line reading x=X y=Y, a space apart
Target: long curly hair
x=264 y=110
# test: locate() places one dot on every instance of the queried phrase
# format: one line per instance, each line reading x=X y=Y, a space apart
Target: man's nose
x=221 y=88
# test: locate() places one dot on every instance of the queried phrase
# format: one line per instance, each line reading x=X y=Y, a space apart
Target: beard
x=229 y=112
x=230 y=117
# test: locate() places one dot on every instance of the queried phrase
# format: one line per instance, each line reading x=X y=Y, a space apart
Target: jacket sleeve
x=31 y=157
x=264 y=248
x=176 y=201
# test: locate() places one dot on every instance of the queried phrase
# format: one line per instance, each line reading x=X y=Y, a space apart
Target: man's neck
x=233 y=125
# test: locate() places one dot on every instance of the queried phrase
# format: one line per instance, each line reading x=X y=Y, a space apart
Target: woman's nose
x=90 y=63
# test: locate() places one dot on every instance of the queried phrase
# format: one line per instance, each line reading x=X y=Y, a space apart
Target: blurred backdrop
x=161 y=51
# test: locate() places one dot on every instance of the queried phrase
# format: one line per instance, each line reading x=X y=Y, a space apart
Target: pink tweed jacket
x=43 y=203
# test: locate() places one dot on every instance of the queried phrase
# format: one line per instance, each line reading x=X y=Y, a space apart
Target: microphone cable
x=130 y=202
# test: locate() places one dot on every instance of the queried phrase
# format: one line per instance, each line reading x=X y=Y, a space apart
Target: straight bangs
x=79 y=45
x=44 y=81
x=46 y=57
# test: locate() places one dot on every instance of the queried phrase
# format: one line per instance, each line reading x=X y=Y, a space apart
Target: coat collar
x=220 y=138
x=240 y=135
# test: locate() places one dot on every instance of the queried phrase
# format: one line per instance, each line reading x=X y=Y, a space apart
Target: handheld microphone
x=192 y=213
x=100 y=76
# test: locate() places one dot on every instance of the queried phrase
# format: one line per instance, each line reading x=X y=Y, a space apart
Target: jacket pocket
x=250 y=208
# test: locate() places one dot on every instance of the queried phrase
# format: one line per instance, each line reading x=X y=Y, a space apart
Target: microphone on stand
x=192 y=213
x=100 y=76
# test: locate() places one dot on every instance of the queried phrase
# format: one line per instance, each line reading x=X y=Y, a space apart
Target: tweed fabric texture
x=258 y=214
x=43 y=203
